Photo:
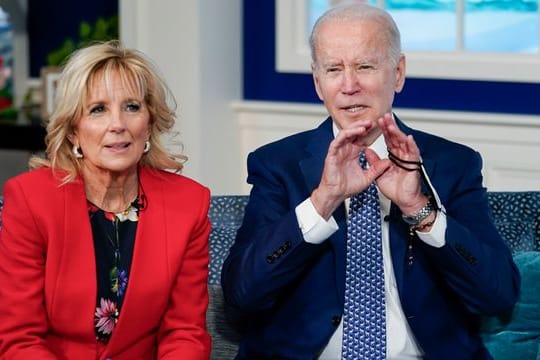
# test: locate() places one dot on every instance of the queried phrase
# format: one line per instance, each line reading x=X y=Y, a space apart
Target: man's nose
x=351 y=82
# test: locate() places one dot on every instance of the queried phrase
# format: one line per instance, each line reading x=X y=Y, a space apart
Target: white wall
x=197 y=45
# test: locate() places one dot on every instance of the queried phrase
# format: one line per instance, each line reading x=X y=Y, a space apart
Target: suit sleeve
x=183 y=334
x=23 y=324
x=475 y=262
x=269 y=252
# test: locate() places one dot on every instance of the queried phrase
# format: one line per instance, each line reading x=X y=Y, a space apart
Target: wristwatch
x=423 y=213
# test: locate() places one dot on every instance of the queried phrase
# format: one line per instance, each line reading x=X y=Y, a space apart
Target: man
x=444 y=262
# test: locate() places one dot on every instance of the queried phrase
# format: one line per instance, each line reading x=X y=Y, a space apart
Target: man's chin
x=346 y=120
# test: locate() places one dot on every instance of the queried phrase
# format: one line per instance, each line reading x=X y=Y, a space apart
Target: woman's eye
x=97 y=109
x=133 y=107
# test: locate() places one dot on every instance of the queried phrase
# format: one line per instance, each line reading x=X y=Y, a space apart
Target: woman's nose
x=117 y=122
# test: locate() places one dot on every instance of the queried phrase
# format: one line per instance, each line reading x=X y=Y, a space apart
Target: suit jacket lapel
x=398 y=229
x=312 y=168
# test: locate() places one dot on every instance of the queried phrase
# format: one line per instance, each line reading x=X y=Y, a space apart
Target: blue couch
x=515 y=335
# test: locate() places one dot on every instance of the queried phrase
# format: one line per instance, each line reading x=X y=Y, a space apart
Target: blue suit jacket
x=293 y=292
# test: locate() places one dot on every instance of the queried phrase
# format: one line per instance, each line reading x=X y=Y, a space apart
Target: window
x=452 y=39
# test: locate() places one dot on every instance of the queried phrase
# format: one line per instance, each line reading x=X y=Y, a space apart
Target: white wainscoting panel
x=509 y=144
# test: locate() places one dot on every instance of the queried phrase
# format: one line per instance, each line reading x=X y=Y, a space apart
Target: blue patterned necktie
x=364 y=326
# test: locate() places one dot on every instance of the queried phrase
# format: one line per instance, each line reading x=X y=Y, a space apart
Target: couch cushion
x=517 y=218
x=516 y=334
x=226 y=214
x=222 y=322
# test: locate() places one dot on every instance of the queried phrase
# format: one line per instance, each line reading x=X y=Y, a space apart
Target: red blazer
x=48 y=273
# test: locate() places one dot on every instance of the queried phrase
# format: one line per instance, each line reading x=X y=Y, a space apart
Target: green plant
x=102 y=30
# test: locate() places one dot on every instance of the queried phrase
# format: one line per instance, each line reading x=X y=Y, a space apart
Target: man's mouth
x=354 y=108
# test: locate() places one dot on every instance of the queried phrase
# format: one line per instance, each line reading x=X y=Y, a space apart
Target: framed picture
x=49 y=79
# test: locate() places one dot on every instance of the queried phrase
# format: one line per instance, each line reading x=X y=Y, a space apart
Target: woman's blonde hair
x=83 y=68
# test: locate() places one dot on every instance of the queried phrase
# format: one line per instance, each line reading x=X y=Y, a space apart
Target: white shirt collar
x=379 y=146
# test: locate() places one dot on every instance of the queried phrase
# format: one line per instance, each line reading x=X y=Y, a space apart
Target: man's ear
x=316 y=81
x=400 y=73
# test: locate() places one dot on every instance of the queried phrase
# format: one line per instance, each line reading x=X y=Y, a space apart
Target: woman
x=103 y=254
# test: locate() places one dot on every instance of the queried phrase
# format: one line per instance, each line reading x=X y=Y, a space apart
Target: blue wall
x=262 y=82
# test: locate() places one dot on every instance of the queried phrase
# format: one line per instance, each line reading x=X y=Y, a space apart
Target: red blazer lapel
x=71 y=264
x=141 y=312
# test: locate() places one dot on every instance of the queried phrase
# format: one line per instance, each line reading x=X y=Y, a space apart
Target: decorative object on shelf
x=30 y=109
x=49 y=78
x=7 y=112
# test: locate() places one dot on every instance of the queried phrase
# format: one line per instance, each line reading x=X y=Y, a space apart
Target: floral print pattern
x=122 y=283
x=106 y=316
x=114 y=236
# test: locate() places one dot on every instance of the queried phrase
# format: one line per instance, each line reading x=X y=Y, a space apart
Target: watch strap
x=420 y=215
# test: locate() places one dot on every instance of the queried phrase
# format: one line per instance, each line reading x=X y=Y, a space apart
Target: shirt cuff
x=314 y=228
x=435 y=236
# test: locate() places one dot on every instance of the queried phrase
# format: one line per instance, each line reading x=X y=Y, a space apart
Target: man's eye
x=97 y=109
x=365 y=67
x=133 y=107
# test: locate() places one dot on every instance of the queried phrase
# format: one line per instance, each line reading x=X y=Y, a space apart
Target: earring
x=146 y=147
x=77 y=152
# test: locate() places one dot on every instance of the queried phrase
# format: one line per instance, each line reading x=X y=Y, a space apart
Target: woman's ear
x=73 y=139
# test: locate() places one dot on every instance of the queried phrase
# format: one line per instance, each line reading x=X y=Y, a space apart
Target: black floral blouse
x=114 y=238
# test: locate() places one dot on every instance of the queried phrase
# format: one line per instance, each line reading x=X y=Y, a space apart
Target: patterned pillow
x=221 y=240
x=517 y=217
x=226 y=214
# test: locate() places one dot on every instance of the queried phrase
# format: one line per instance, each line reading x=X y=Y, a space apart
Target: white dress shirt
x=400 y=341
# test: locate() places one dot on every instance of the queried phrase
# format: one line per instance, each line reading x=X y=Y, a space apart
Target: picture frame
x=49 y=79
